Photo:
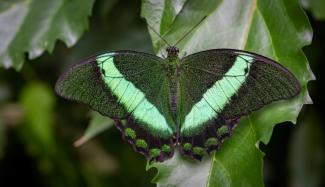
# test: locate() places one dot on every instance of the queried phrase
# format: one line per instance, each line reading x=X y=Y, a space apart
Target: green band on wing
x=131 y=97
x=216 y=97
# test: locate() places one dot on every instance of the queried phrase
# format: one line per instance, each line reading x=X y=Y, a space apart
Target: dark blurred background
x=37 y=128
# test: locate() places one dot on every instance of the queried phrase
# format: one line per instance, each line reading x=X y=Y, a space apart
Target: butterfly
x=194 y=102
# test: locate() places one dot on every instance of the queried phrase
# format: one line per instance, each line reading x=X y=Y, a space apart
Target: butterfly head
x=172 y=52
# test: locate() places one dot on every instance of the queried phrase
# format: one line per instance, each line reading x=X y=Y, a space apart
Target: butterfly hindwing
x=131 y=88
x=218 y=87
x=153 y=147
x=207 y=139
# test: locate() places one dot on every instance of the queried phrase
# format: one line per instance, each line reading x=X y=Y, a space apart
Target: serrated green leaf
x=97 y=125
x=317 y=8
x=276 y=29
x=171 y=172
x=32 y=26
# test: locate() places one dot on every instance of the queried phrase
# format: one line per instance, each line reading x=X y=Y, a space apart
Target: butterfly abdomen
x=171 y=69
x=173 y=95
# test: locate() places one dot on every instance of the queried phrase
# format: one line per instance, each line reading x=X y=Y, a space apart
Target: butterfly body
x=172 y=68
x=192 y=103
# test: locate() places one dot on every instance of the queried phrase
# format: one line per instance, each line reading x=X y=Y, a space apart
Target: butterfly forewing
x=82 y=82
x=132 y=88
x=219 y=86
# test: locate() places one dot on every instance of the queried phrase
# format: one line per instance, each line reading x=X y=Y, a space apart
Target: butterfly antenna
x=151 y=28
x=190 y=30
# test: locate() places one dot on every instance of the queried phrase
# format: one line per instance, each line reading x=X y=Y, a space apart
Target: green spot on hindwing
x=141 y=143
x=130 y=133
x=154 y=152
x=211 y=142
x=198 y=151
x=222 y=130
x=187 y=146
x=165 y=148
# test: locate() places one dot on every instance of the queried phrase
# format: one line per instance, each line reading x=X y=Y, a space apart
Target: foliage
x=39 y=118
x=34 y=26
x=97 y=124
x=38 y=134
x=317 y=8
x=254 y=26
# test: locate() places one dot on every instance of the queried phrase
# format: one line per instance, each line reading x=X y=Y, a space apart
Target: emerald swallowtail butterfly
x=194 y=102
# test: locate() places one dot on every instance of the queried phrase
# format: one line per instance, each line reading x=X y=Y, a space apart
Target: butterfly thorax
x=172 y=54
